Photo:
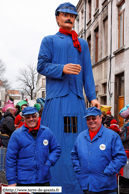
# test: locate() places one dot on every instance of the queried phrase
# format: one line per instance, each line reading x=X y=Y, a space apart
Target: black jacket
x=0 y=116
x=108 y=120
x=7 y=125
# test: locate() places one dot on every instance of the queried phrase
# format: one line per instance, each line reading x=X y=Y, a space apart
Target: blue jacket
x=26 y=156
x=57 y=51
x=96 y=162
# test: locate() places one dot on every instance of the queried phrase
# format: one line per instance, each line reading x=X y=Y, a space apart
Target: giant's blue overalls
x=64 y=98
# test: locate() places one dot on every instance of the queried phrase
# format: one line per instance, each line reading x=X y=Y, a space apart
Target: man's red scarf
x=35 y=128
x=92 y=134
x=74 y=35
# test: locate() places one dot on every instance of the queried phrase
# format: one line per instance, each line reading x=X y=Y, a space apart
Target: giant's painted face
x=65 y=20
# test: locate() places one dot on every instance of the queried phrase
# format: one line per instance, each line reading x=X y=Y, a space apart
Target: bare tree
x=6 y=84
x=27 y=77
x=2 y=68
x=2 y=71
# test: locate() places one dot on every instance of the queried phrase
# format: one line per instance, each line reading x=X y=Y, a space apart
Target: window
x=43 y=82
x=119 y=96
x=121 y=25
x=89 y=43
x=82 y=18
x=89 y=3
x=105 y=37
x=104 y=88
x=43 y=94
x=103 y=96
x=70 y=124
x=103 y=100
x=96 y=44
x=121 y=85
x=97 y=4
x=96 y=91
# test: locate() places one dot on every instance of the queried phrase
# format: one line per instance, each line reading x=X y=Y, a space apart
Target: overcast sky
x=23 y=24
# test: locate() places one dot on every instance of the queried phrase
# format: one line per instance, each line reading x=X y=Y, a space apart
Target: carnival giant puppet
x=65 y=61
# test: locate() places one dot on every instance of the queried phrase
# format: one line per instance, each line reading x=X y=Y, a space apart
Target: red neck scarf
x=35 y=128
x=74 y=35
x=92 y=134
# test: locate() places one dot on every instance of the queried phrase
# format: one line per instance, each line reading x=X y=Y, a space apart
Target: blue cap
x=92 y=111
x=29 y=110
x=66 y=8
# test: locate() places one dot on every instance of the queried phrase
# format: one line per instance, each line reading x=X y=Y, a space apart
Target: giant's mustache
x=68 y=21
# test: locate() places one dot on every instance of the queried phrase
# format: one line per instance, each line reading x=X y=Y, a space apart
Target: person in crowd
x=126 y=121
x=2 y=155
x=124 y=128
x=114 y=126
x=103 y=116
x=31 y=151
x=97 y=156
x=40 y=109
x=65 y=61
x=7 y=126
x=124 y=134
x=17 y=107
x=108 y=119
x=19 y=120
x=1 y=116
x=40 y=113
x=38 y=106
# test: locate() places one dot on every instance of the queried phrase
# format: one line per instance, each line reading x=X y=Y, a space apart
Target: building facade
x=104 y=24
x=15 y=94
x=41 y=86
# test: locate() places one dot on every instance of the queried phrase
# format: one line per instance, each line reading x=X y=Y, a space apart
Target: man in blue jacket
x=97 y=156
x=65 y=61
x=31 y=151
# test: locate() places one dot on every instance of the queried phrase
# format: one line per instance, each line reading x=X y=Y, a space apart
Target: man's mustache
x=68 y=21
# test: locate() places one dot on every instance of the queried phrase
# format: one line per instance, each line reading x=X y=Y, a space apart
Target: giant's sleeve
x=45 y=65
x=11 y=160
x=54 y=150
x=88 y=79
x=119 y=157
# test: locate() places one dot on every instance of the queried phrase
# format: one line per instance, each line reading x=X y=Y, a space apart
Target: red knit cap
x=114 y=128
x=108 y=112
x=113 y=121
x=114 y=125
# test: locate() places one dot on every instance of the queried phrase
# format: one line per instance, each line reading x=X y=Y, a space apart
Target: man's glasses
x=29 y=116
x=91 y=118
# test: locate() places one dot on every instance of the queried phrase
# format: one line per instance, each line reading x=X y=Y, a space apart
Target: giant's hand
x=95 y=103
x=71 y=68
x=13 y=185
